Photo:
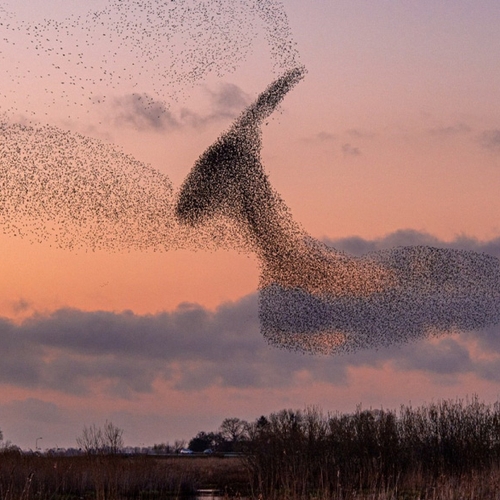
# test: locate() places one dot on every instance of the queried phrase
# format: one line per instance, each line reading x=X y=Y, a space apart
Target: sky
x=392 y=138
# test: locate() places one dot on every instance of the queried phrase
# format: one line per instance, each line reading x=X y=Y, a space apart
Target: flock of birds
x=314 y=298
x=79 y=192
x=75 y=191
x=155 y=50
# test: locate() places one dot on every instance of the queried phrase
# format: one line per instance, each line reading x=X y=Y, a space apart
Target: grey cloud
x=489 y=370
x=226 y=102
x=458 y=129
x=360 y=134
x=452 y=357
x=490 y=139
x=20 y=359
x=358 y=246
x=322 y=137
x=354 y=245
x=444 y=357
x=488 y=340
x=143 y=113
x=33 y=410
x=193 y=348
x=69 y=350
x=21 y=305
x=123 y=375
x=130 y=351
x=347 y=149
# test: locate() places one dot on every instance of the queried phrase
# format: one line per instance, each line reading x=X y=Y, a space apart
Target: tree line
x=294 y=454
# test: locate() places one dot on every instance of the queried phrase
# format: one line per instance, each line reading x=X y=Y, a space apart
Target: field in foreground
x=116 y=476
x=447 y=450
x=152 y=478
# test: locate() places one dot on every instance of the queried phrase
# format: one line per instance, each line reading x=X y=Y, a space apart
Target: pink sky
x=395 y=127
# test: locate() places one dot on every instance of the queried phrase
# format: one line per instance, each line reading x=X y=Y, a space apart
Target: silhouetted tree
x=94 y=440
x=233 y=431
x=90 y=440
x=203 y=441
x=179 y=444
x=112 y=437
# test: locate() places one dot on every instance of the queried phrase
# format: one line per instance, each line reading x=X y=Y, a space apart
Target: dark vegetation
x=114 y=477
x=447 y=450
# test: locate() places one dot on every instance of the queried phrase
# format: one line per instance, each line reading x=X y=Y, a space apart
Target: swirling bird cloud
x=77 y=191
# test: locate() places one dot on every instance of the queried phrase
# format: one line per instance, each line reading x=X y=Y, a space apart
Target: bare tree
x=112 y=437
x=91 y=440
x=179 y=444
x=233 y=429
x=94 y=440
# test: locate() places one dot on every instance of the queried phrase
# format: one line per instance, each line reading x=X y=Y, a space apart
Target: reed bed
x=114 y=477
x=448 y=450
